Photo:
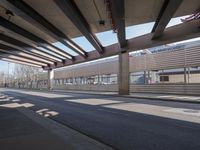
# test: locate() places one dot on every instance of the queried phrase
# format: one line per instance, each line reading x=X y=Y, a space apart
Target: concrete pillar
x=123 y=74
x=50 y=79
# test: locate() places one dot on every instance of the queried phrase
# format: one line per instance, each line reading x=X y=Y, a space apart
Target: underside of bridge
x=29 y=29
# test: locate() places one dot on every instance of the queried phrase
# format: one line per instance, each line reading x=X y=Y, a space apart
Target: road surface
x=122 y=123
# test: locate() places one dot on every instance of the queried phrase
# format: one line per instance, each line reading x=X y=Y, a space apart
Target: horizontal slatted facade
x=88 y=87
x=107 y=67
x=191 y=89
x=157 y=61
x=166 y=60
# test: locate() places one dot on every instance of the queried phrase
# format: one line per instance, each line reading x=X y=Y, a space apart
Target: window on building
x=164 y=78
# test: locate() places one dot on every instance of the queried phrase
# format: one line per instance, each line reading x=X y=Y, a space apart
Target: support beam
x=22 y=58
x=73 y=13
x=166 y=13
x=20 y=62
x=11 y=27
x=176 y=33
x=50 y=79
x=118 y=13
x=9 y=41
x=16 y=52
x=25 y=11
x=123 y=74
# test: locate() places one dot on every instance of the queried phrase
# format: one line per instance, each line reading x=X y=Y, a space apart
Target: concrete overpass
x=27 y=26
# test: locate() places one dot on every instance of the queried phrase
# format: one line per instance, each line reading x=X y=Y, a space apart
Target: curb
x=116 y=95
x=162 y=99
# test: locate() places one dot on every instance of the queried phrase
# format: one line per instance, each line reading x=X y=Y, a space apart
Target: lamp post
x=8 y=74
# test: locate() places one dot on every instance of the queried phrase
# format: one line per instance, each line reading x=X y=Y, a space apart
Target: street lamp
x=8 y=73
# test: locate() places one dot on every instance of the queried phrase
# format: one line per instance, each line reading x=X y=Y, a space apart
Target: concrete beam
x=9 y=41
x=20 y=8
x=172 y=34
x=73 y=13
x=93 y=55
x=19 y=62
x=176 y=33
x=16 y=52
x=11 y=27
x=166 y=13
x=21 y=59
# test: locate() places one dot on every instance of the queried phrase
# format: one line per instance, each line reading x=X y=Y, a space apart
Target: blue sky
x=106 y=38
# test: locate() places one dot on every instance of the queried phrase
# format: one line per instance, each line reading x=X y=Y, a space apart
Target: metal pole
x=185 y=73
x=145 y=81
x=8 y=73
x=188 y=74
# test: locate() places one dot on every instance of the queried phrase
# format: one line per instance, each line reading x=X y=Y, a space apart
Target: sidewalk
x=166 y=97
x=23 y=129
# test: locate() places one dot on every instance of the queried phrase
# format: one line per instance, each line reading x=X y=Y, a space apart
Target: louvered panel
x=157 y=61
x=167 y=88
x=166 y=60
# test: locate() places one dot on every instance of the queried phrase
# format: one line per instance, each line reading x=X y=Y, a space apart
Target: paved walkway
x=23 y=129
x=168 y=97
x=114 y=120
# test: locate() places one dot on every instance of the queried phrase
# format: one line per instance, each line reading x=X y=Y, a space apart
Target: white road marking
x=191 y=112
x=93 y=101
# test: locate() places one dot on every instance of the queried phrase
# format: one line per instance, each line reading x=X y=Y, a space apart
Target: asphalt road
x=122 y=123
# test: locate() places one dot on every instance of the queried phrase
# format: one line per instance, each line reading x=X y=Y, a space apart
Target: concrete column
x=50 y=79
x=123 y=74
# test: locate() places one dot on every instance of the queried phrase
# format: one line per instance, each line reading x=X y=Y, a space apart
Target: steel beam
x=176 y=33
x=20 y=58
x=9 y=26
x=19 y=62
x=166 y=13
x=11 y=50
x=25 y=11
x=73 y=13
x=25 y=47
x=118 y=13
x=35 y=52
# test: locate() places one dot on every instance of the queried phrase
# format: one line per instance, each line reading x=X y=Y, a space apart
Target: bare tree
x=24 y=74
x=2 y=79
